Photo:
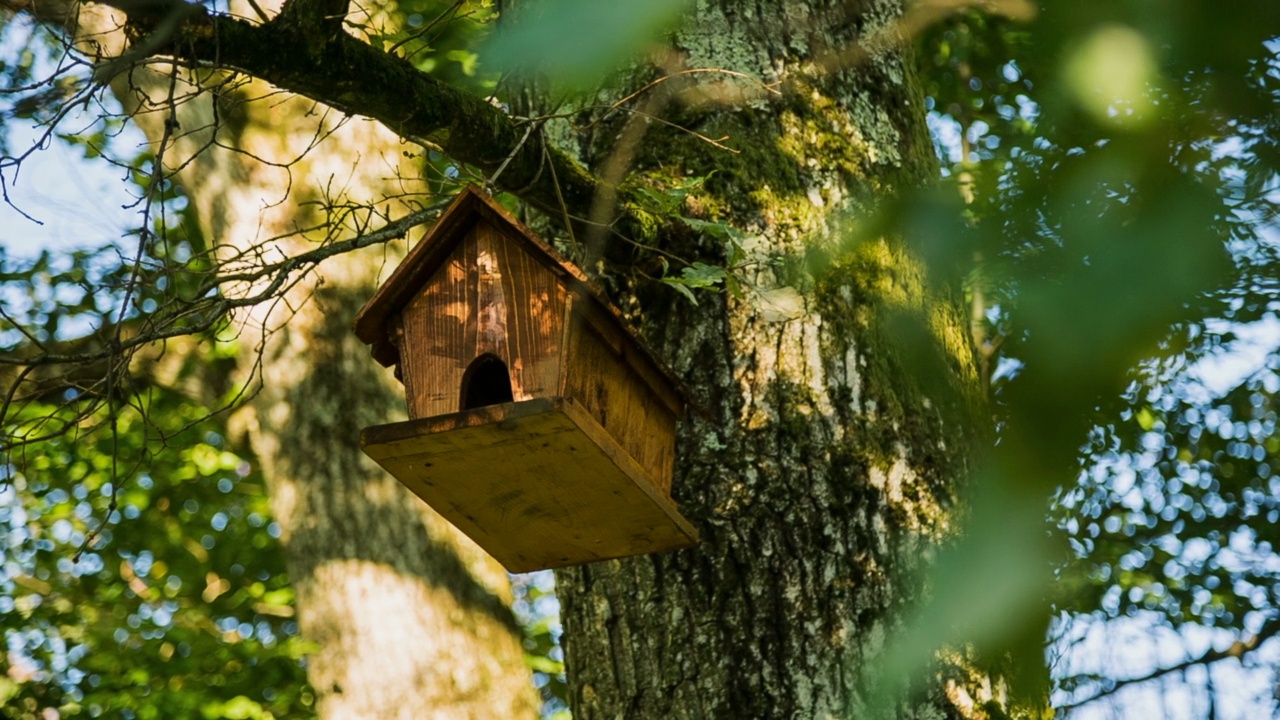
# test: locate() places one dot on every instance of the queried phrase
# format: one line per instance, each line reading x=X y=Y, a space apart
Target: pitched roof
x=472 y=205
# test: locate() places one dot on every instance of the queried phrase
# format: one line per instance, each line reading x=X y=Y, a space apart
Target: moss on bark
x=836 y=440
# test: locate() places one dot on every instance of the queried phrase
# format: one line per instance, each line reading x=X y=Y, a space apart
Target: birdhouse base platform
x=538 y=484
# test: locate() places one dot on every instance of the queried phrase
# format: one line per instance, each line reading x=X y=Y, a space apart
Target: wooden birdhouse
x=539 y=424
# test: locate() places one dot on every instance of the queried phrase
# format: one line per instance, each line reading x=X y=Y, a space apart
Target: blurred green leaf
x=575 y=43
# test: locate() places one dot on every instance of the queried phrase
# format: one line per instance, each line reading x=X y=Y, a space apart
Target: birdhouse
x=539 y=424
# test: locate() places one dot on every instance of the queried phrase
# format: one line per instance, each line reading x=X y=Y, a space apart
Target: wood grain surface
x=538 y=484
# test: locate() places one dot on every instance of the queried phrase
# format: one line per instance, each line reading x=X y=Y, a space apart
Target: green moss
x=646 y=223
x=670 y=154
x=784 y=159
x=817 y=132
x=918 y=372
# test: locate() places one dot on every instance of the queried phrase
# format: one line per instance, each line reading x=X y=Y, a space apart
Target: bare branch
x=1238 y=649
x=357 y=79
x=277 y=274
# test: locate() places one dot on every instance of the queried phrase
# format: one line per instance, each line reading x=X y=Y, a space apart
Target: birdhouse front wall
x=488 y=300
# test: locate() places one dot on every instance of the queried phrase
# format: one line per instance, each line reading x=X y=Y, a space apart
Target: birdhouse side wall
x=597 y=375
x=488 y=297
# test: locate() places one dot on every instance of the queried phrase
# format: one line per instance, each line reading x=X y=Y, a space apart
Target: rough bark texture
x=827 y=467
x=410 y=619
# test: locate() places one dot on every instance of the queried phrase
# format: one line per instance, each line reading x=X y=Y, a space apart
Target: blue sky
x=77 y=203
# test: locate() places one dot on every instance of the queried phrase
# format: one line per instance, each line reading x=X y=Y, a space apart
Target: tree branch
x=1238 y=649
x=136 y=346
x=355 y=78
x=318 y=21
x=210 y=302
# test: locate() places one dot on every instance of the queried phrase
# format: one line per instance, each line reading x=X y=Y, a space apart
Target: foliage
x=1118 y=172
x=1179 y=513
x=439 y=37
x=538 y=610
x=181 y=607
x=141 y=574
x=606 y=35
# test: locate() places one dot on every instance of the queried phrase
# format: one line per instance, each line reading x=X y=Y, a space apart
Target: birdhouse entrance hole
x=486 y=382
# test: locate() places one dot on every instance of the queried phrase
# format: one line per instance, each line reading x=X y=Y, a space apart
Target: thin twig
x=769 y=87
x=258 y=10
x=497 y=173
x=1238 y=649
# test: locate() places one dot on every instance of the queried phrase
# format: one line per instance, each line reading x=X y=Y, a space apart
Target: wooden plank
x=438 y=323
x=610 y=391
x=412 y=273
x=487 y=297
x=407 y=379
x=538 y=484
x=535 y=317
x=472 y=205
x=608 y=325
x=566 y=333
x=487 y=322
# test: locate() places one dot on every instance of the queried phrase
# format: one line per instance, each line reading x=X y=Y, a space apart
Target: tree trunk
x=825 y=469
x=410 y=619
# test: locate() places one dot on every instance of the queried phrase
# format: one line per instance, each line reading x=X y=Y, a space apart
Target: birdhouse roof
x=471 y=206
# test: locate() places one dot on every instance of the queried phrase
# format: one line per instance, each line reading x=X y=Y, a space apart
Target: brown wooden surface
x=471 y=205
x=648 y=370
x=439 y=247
x=597 y=375
x=371 y=323
x=538 y=484
x=489 y=296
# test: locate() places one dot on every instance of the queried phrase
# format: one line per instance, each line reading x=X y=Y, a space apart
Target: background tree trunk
x=826 y=469
x=410 y=619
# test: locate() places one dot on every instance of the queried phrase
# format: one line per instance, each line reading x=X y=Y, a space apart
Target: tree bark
x=826 y=470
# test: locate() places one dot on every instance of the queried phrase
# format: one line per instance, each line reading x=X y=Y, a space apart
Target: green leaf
x=714 y=229
x=703 y=275
x=543 y=664
x=466 y=60
x=681 y=288
x=575 y=43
